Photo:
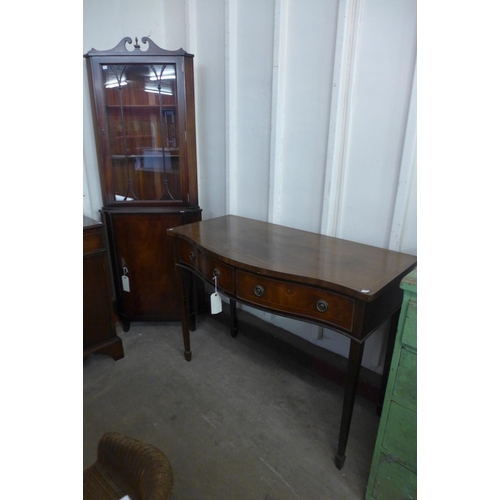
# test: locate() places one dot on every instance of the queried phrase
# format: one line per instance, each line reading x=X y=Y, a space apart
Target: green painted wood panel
x=409 y=336
x=393 y=475
x=394 y=481
x=400 y=438
x=405 y=384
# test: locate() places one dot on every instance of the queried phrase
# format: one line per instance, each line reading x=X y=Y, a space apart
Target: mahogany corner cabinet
x=144 y=123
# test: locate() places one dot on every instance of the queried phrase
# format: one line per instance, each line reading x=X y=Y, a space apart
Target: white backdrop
x=306 y=115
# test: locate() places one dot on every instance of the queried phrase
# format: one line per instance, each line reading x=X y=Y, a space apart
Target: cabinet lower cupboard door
x=148 y=287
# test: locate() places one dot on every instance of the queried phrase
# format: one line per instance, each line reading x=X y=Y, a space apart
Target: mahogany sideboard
x=99 y=332
x=349 y=287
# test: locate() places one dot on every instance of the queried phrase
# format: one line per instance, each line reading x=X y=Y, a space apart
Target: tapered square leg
x=233 y=318
x=351 y=385
x=185 y=277
x=391 y=339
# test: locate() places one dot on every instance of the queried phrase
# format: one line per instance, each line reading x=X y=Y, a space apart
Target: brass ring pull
x=258 y=290
x=216 y=273
x=192 y=255
x=322 y=305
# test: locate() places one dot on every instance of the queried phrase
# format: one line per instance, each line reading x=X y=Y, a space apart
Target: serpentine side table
x=342 y=285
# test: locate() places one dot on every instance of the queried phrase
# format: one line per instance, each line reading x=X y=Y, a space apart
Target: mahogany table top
x=355 y=269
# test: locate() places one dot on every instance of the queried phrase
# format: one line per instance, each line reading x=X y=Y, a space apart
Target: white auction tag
x=215 y=303
x=125 y=284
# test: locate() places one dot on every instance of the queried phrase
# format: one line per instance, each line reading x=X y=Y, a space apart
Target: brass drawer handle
x=192 y=255
x=322 y=305
x=216 y=273
x=258 y=290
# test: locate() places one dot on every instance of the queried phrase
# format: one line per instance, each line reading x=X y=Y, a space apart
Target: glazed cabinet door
x=144 y=124
x=143 y=120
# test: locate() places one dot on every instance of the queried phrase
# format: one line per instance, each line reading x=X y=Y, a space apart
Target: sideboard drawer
x=301 y=300
x=190 y=254
x=93 y=240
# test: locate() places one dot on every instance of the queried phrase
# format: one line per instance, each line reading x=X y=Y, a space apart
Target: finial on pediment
x=149 y=48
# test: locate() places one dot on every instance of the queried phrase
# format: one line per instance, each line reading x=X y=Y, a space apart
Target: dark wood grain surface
x=344 y=285
x=358 y=270
x=99 y=333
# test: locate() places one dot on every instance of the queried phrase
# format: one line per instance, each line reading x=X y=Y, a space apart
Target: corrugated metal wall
x=306 y=115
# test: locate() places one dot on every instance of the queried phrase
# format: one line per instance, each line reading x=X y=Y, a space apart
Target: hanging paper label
x=125 y=284
x=215 y=303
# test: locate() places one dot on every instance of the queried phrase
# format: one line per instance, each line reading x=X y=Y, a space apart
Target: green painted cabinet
x=393 y=474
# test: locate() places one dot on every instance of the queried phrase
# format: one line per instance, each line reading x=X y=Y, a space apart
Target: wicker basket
x=126 y=466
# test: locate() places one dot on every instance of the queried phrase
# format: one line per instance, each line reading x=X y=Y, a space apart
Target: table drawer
x=188 y=253
x=304 y=301
x=207 y=266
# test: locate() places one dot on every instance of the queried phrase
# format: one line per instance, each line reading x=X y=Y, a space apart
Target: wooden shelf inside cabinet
x=139 y=106
x=125 y=157
x=145 y=131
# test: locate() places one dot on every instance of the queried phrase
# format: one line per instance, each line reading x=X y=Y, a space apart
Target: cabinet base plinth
x=113 y=348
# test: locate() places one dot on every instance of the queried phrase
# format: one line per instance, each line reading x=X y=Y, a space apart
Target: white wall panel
x=207 y=43
x=254 y=92
x=308 y=81
x=383 y=74
x=280 y=45
x=409 y=225
x=404 y=230
x=93 y=192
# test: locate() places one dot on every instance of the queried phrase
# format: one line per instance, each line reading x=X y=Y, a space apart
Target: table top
x=358 y=270
x=87 y=222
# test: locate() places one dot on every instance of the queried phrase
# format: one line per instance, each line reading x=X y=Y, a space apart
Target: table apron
x=345 y=315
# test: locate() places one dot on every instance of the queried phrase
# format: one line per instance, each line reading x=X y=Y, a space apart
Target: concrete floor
x=242 y=420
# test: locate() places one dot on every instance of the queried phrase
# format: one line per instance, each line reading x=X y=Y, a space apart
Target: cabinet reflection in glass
x=141 y=108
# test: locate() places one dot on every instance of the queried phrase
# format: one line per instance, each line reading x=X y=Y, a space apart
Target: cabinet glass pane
x=141 y=108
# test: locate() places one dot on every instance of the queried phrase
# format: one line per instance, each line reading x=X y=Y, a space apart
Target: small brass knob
x=216 y=273
x=322 y=305
x=192 y=255
x=258 y=290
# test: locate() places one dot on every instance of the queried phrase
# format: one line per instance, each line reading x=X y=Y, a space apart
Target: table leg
x=193 y=302
x=391 y=339
x=351 y=384
x=233 y=318
x=185 y=277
